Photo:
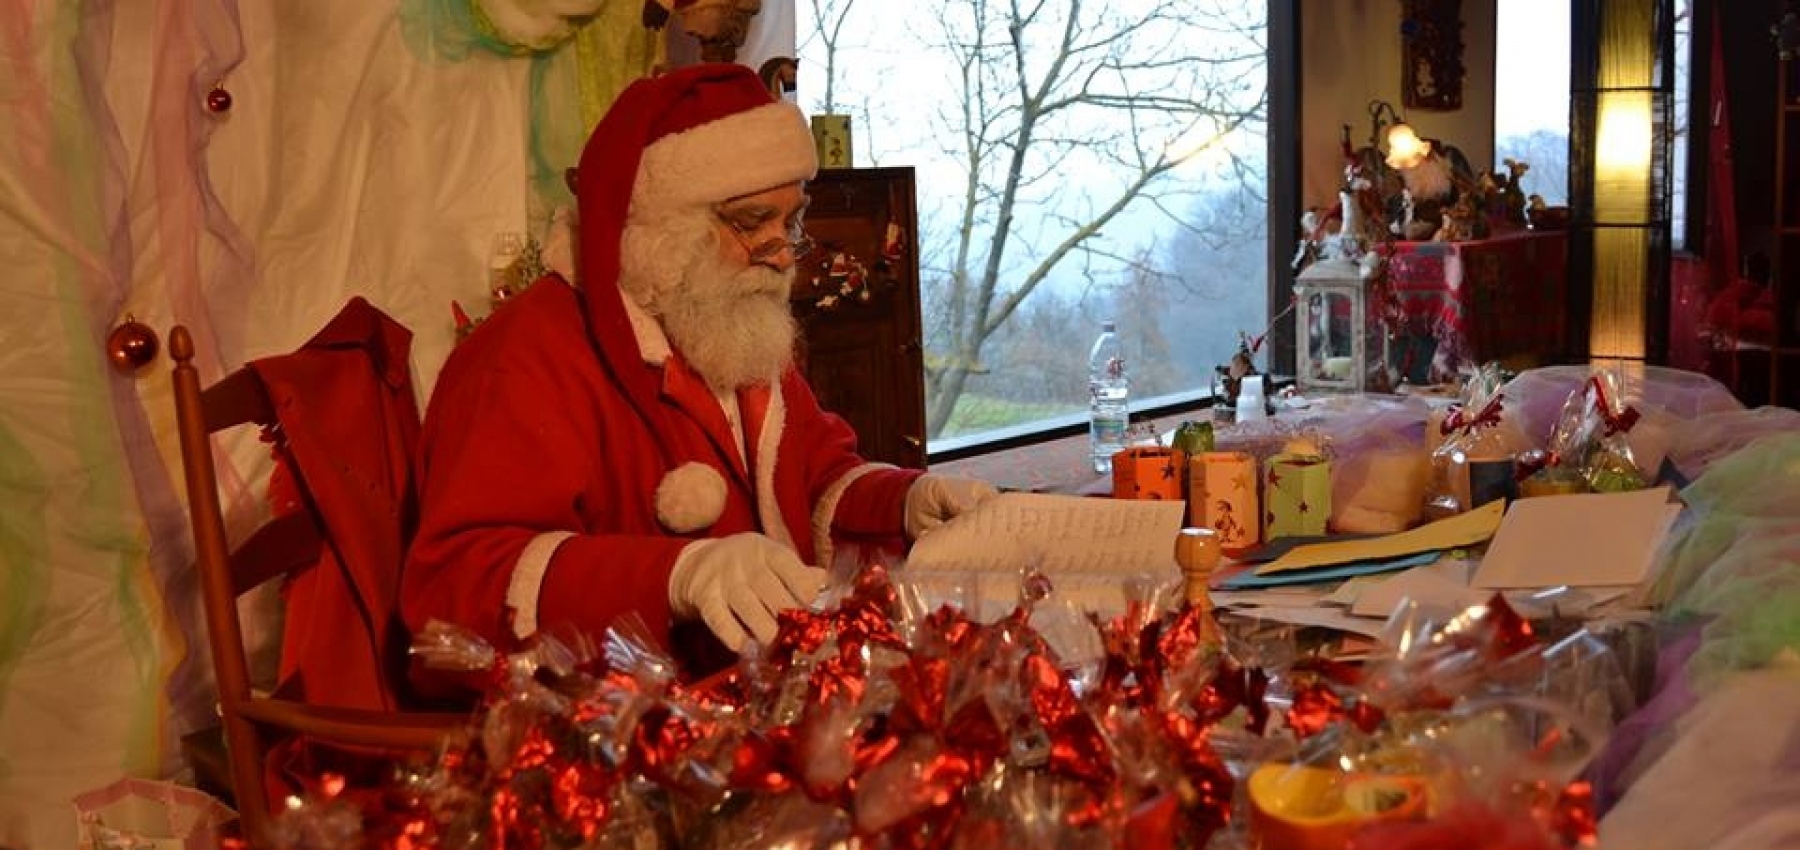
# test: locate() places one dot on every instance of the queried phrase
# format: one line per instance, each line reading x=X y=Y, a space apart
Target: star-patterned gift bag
x=1145 y=472
x=1222 y=496
x=1296 y=496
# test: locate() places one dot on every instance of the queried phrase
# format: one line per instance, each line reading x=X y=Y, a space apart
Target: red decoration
x=841 y=726
x=218 y=101
x=463 y=324
x=131 y=346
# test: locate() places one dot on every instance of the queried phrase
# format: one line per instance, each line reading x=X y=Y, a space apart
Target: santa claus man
x=638 y=440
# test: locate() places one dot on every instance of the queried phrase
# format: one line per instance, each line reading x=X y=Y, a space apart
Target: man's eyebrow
x=758 y=213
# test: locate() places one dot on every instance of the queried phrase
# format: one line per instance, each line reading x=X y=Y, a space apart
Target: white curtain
x=361 y=155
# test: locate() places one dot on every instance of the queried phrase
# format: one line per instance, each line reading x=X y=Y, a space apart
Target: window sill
x=1055 y=459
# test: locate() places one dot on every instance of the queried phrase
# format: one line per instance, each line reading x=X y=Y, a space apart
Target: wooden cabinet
x=857 y=299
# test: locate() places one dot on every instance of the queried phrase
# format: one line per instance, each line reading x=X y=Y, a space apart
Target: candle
x=1222 y=491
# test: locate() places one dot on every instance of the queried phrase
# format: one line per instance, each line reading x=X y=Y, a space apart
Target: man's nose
x=781 y=258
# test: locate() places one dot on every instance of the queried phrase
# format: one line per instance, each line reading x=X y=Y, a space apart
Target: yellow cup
x=1294 y=807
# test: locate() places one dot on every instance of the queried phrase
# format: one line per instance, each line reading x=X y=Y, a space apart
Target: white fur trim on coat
x=739 y=154
x=528 y=580
x=826 y=510
x=768 y=456
x=690 y=497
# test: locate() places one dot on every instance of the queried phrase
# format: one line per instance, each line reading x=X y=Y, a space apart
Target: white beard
x=732 y=325
x=1430 y=179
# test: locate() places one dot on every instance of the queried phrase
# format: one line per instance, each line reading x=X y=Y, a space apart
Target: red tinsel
x=900 y=742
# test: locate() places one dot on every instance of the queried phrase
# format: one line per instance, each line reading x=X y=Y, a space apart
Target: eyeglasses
x=795 y=241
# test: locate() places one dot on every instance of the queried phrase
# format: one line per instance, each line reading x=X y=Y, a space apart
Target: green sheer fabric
x=572 y=82
x=1737 y=564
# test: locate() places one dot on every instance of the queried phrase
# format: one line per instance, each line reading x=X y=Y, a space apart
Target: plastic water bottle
x=1109 y=394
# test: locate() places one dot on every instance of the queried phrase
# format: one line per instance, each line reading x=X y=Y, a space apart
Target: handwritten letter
x=1056 y=534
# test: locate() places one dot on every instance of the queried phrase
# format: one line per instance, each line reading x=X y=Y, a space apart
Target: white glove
x=936 y=499
x=740 y=582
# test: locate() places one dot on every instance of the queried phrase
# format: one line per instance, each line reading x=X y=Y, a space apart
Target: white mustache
x=761 y=281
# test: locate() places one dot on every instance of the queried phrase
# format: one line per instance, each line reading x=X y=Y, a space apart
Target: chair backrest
x=284 y=546
x=288 y=543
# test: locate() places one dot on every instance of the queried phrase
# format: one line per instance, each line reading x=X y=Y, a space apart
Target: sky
x=1532 y=62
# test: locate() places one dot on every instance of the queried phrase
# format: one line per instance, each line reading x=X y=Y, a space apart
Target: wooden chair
x=282 y=546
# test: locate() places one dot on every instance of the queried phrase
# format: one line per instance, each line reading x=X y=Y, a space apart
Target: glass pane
x=1118 y=176
x=1531 y=93
x=1684 y=26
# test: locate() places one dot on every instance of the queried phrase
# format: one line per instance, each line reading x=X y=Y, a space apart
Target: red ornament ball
x=131 y=346
x=218 y=101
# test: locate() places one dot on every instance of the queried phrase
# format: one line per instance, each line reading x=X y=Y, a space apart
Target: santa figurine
x=893 y=243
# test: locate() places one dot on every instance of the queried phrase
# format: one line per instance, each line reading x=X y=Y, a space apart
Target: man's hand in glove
x=936 y=499
x=738 y=584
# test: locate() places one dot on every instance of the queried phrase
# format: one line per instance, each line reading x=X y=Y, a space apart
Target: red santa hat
x=683 y=140
x=687 y=139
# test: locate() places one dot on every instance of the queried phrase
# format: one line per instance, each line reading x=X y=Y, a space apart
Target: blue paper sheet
x=1248 y=579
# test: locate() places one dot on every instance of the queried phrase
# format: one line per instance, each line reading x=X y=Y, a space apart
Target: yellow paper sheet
x=1465 y=529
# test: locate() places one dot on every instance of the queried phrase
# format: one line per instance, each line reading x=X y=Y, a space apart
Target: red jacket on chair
x=345 y=403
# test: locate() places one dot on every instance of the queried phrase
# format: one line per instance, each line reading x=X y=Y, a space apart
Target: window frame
x=1283 y=158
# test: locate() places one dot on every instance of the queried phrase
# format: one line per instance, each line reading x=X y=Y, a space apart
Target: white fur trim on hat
x=742 y=153
x=528 y=580
x=691 y=497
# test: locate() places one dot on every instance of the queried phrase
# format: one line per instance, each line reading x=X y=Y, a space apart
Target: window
x=1531 y=93
x=1071 y=170
x=1683 y=118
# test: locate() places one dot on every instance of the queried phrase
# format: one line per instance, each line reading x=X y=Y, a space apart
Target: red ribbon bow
x=1616 y=423
x=1460 y=420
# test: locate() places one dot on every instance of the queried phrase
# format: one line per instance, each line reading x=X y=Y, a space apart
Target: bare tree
x=1047 y=91
x=828 y=24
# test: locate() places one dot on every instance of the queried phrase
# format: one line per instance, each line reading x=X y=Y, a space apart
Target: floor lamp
x=1621 y=125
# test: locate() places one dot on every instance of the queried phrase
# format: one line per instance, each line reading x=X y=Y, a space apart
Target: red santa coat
x=543 y=451
x=345 y=402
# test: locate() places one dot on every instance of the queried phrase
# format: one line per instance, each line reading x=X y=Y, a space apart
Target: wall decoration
x=1431 y=64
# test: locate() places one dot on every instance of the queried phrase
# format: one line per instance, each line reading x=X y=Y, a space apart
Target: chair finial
x=181 y=345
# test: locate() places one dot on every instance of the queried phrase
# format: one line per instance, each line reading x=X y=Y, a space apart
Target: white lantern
x=1336 y=346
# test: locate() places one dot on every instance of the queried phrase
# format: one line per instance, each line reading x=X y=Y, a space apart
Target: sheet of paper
x=1352 y=590
x=1464 y=529
x=1568 y=602
x=1445 y=583
x=1296 y=596
x=1584 y=540
x=1330 y=618
x=1330 y=572
x=1057 y=534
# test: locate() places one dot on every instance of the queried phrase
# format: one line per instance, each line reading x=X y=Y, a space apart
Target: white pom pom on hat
x=691 y=497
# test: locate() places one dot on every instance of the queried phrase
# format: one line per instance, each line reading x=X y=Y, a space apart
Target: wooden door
x=857 y=299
